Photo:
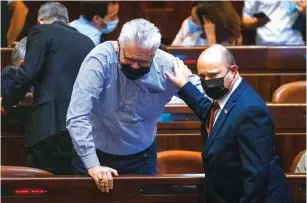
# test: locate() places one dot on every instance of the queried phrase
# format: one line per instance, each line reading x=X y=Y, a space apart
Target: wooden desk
x=187 y=188
x=288 y=118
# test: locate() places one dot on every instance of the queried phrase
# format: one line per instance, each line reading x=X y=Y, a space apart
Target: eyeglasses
x=131 y=61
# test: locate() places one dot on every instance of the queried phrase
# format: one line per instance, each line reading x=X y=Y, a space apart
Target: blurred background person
x=191 y=32
x=274 y=21
x=19 y=113
x=97 y=18
x=12 y=25
x=53 y=58
x=221 y=23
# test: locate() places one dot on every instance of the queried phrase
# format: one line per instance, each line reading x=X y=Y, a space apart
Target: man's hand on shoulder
x=102 y=176
x=181 y=73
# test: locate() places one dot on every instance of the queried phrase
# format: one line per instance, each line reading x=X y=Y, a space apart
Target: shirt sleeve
x=184 y=29
x=250 y=8
x=87 y=89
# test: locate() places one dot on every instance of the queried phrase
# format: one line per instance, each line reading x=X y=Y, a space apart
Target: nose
x=135 y=65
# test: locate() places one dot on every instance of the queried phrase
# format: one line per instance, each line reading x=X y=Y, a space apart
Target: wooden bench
x=5 y=57
x=186 y=188
x=287 y=145
x=264 y=82
x=253 y=59
x=184 y=135
x=288 y=118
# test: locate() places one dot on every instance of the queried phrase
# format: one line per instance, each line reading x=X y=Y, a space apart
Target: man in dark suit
x=54 y=54
x=239 y=158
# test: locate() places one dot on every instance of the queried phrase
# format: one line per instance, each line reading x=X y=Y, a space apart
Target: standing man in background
x=97 y=18
x=53 y=58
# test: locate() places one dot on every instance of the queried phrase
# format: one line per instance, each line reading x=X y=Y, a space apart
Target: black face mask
x=214 y=88
x=133 y=74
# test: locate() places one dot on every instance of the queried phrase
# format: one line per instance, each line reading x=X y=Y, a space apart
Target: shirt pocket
x=151 y=105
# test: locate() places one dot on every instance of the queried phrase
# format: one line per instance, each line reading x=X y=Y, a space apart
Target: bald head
x=217 y=54
x=217 y=62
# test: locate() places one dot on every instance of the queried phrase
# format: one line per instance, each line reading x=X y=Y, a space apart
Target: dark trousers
x=53 y=154
x=144 y=162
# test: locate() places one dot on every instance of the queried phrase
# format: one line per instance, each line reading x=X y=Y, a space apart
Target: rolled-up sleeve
x=87 y=88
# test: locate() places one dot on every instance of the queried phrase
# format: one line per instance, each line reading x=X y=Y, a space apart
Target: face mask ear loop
x=231 y=80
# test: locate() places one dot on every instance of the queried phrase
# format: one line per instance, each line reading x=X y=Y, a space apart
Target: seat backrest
x=19 y=171
x=296 y=160
x=179 y=162
x=294 y=92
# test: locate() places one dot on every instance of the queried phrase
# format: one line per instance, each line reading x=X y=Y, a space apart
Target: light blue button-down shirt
x=87 y=28
x=111 y=113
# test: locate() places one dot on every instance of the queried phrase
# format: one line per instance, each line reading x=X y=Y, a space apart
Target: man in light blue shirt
x=117 y=99
x=98 y=18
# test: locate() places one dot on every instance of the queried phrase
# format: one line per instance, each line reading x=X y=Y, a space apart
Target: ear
x=40 y=21
x=234 y=70
x=97 y=22
x=21 y=62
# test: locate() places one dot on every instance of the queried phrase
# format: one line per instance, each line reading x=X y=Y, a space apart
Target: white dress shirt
x=222 y=102
x=278 y=31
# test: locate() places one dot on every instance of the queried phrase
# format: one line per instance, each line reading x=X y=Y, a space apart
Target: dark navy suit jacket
x=239 y=159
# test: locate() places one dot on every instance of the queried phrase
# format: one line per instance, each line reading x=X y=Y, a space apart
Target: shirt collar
x=84 y=20
x=224 y=99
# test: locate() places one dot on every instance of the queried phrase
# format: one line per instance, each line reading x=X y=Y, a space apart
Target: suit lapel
x=224 y=114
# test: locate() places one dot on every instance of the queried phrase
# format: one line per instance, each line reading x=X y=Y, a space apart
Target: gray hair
x=53 y=11
x=19 y=52
x=141 y=32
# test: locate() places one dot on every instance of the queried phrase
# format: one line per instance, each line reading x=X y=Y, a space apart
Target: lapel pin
x=225 y=111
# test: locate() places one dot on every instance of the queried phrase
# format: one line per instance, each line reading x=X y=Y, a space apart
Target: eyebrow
x=204 y=73
x=145 y=61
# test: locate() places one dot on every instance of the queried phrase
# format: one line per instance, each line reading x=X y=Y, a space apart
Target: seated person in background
x=273 y=21
x=220 y=22
x=8 y=75
x=191 y=32
x=97 y=18
x=301 y=165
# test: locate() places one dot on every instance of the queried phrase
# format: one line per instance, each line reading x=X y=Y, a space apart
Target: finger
x=105 y=182
x=181 y=64
x=110 y=180
x=98 y=185
x=99 y=179
x=175 y=64
x=170 y=76
x=114 y=172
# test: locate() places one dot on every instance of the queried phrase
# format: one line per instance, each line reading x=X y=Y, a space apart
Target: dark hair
x=224 y=16
x=91 y=8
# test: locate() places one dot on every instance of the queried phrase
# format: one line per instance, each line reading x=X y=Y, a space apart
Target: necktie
x=214 y=107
